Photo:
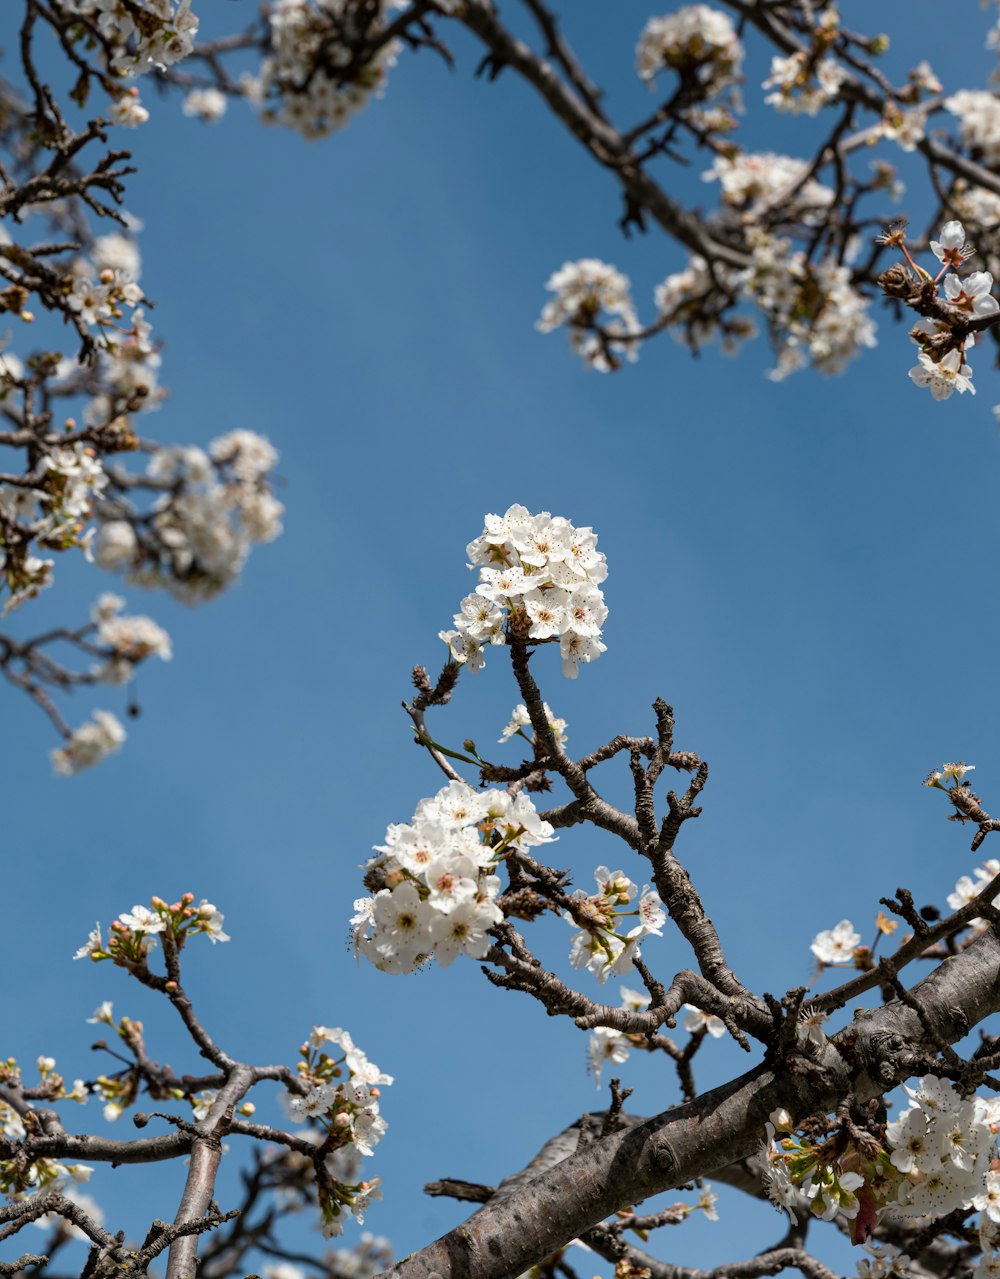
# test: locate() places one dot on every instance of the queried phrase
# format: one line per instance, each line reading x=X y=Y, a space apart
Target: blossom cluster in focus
x=340 y=1097
x=436 y=887
x=540 y=576
x=937 y=1156
x=133 y=934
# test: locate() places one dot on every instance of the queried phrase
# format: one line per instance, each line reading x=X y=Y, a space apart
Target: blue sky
x=806 y=571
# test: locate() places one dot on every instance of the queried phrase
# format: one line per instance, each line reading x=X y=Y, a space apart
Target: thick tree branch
x=726 y=1124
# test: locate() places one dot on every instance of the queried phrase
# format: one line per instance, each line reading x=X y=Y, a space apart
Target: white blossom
x=695 y=38
x=128 y=111
x=695 y=1020
x=521 y=719
x=758 y=182
x=978 y=113
x=836 y=946
x=89 y=744
x=92 y=945
x=941 y=377
x=208 y=105
x=143 y=920
x=802 y=86
x=951 y=248
x=301 y=83
x=446 y=904
x=606 y=1045
x=540 y=571
x=584 y=291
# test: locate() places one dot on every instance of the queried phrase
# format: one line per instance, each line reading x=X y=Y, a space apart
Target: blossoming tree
x=806 y=247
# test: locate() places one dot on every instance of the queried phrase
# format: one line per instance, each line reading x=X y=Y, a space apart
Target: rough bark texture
x=869 y=1056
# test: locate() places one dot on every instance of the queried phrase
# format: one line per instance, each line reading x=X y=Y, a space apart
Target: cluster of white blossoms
x=905 y=128
x=129 y=371
x=208 y=105
x=836 y=945
x=25 y=575
x=943 y=1144
x=599 y=946
x=313 y=81
x=979 y=209
x=99 y=304
x=812 y=310
x=680 y=300
x=69 y=478
x=127 y=359
x=758 y=181
x=697 y=41
x=978 y=112
x=802 y=85
x=132 y=638
x=346 y=1110
x=949 y=775
x=799 y=1180
x=73 y=477
x=138 y=36
x=89 y=744
x=520 y=720
x=67 y=483
x=540 y=576
x=342 y=1194
x=439 y=889
x=143 y=35
x=585 y=292
x=939 y=1155
x=127 y=110
x=137 y=928
x=970 y=297
x=51 y=1176
x=215 y=505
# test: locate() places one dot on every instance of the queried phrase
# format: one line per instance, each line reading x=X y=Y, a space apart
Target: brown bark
x=878 y=1049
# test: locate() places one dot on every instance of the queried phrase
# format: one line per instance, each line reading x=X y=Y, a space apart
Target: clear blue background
x=806 y=571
